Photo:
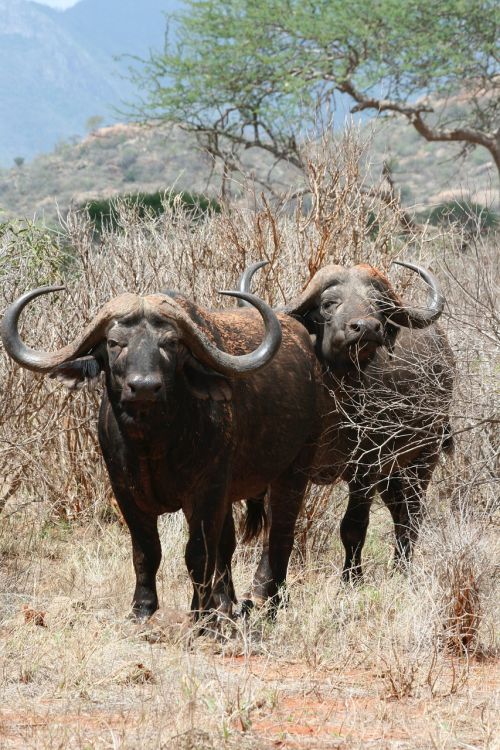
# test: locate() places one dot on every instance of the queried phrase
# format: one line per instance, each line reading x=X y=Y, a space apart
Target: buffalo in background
x=189 y=420
x=388 y=374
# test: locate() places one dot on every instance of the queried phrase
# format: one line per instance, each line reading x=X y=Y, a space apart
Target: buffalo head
x=352 y=311
x=143 y=344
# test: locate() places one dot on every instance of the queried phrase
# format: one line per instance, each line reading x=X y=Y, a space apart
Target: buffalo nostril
x=134 y=385
x=144 y=386
x=357 y=325
x=364 y=325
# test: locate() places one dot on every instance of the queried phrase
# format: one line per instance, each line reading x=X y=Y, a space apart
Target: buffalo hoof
x=141 y=614
x=166 y=626
x=244 y=610
x=211 y=624
x=223 y=606
x=269 y=608
x=352 y=576
x=277 y=602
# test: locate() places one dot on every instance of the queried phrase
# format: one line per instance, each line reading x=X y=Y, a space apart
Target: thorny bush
x=48 y=444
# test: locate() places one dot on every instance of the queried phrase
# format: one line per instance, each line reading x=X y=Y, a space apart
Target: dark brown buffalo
x=189 y=421
x=388 y=370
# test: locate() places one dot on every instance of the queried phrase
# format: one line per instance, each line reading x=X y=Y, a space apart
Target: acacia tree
x=253 y=73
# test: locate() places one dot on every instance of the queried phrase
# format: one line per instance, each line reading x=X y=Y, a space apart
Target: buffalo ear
x=205 y=383
x=314 y=324
x=390 y=334
x=309 y=320
x=75 y=373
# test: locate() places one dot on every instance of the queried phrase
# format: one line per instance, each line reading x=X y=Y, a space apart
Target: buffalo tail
x=255 y=519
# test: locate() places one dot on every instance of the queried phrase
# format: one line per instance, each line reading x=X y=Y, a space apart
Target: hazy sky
x=58 y=3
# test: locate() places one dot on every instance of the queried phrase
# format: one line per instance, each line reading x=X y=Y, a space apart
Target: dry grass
x=401 y=662
x=327 y=674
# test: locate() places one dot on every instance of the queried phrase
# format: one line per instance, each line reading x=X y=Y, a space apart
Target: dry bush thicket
x=50 y=461
x=44 y=427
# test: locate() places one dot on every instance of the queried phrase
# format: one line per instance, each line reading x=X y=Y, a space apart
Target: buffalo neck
x=341 y=375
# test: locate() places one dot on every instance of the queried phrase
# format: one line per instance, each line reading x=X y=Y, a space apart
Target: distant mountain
x=117 y=27
x=57 y=67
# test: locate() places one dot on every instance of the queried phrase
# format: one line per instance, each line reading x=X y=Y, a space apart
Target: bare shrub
x=48 y=447
x=464 y=563
x=419 y=633
x=472 y=286
x=462 y=624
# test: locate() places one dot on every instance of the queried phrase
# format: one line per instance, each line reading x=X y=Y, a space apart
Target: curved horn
x=309 y=297
x=401 y=315
x=208 y=354
x=227 y=364
x=304 y=301
x=420 y=317
x=40 y=361
x=246 y=277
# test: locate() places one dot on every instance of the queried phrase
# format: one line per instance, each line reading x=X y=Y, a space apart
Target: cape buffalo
x=190 y=421
x=389 y=372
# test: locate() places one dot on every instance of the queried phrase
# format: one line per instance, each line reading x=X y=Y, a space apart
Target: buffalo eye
x=113 y=344
x=168 y=346
x=329 y=305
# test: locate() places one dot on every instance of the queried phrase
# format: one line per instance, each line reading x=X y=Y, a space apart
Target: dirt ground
x=301 y=710
x=341 y=668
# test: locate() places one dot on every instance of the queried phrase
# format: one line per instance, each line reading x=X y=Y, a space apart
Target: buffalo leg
x=286 y=496
x=205 y=529
x=403 y=500
x=263 y=575
x=224 y=593
x=353 y=528
x=146 y=555
x=404 y=494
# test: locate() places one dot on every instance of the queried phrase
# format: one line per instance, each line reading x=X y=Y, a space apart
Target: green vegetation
x=104 y=212
x=94 y=123
x=257 y=73
x=100 y=166
x=33 y=252
x=472 y=217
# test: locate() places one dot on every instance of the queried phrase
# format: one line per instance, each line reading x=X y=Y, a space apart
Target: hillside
x=431 y=173
x=41 y=68
x=122 y=158
x=57 y=68
x=126 y=158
